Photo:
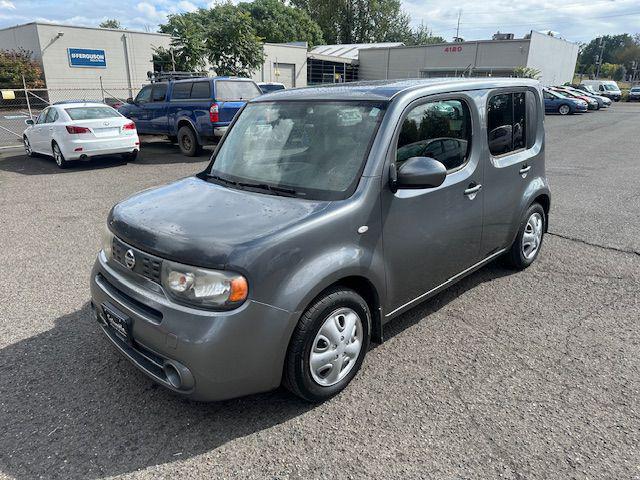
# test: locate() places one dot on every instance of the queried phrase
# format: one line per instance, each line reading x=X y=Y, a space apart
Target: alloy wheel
x=532 y=237
x=564 y=109
x=336 y=347
x=57 y=155
x=27 y=147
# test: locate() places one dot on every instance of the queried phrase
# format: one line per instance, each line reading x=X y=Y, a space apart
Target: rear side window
x=507 y=123
x=201 y=90
x=234 y=91
x=181 y=91
x=91 y=113
x=440 y=130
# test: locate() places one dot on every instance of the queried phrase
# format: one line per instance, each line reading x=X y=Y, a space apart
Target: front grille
x=146 y=265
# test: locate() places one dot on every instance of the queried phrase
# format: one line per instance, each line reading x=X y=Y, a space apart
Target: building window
x=440 y=130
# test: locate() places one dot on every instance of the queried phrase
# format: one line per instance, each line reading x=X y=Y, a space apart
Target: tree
x=422 y=35
x=111 y=23
x=276 y=22
x=221 y=38
x=16 y=63
x=614 y=46
x=526 y=72
x=358 y=21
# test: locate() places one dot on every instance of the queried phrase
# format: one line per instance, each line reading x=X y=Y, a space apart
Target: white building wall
x=129 y=56
x=554 y=57
x=288 y=57
x=24 y=36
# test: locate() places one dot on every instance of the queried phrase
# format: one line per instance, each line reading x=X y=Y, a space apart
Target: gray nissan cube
x=324 y=213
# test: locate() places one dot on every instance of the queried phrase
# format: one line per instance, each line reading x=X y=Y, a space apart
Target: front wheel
x=528 y=242
x=27 y=147
x=59 y=157
x=564 y=110
x=188 y=142
x=328 y=345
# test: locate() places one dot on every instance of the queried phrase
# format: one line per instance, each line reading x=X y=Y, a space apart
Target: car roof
x=388 y=89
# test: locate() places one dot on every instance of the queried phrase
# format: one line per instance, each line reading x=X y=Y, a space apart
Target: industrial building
x=77 y=57
x=554 y=57
x=89 y=58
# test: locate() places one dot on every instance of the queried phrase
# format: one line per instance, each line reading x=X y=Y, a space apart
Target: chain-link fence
x=18 y=105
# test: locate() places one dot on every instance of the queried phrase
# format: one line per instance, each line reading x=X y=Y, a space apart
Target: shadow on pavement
x=155 y=153
x=73 y=408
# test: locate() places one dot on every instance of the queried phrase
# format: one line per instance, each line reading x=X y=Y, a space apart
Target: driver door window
x=42 y=117
x=430 y=126
x=144 y=96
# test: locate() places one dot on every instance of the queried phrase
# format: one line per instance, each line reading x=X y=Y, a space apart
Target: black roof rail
x=173 y=75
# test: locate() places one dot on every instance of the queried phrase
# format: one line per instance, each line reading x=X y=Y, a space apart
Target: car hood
x=201 y=223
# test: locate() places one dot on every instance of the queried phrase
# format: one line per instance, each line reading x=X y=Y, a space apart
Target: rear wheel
x=188 y=142
x=528 y=242
x=328 y=345
x=131 y=156
x=564 y=110
x=59 y=157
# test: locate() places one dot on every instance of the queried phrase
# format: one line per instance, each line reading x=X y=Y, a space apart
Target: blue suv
x=192 y=112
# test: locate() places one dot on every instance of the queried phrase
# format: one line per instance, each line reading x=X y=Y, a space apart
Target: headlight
x=107 y=242
x=203 y=287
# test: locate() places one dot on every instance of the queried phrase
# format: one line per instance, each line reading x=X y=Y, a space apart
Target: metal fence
x=19 y=104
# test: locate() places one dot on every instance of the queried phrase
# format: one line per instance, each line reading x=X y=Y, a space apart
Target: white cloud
x=150 y=13
x=187 y=6
x=7 y=5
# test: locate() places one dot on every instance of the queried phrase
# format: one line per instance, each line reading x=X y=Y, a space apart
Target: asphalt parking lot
x=532 y=375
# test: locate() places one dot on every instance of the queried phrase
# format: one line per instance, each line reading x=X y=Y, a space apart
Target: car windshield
x=314 y=149
x=610 y=87
x=91 y=113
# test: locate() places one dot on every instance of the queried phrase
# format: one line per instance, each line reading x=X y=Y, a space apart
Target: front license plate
x=117 y=321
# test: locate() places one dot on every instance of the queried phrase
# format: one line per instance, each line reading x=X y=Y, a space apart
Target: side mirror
x=420 y=172
x=29 y=122
x=130 y=100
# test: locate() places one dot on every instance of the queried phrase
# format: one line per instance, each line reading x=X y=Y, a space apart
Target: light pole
x=599 y=57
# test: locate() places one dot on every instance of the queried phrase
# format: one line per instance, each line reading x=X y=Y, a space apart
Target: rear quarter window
x=201 y=90
x=235 y=91
x=181 y=91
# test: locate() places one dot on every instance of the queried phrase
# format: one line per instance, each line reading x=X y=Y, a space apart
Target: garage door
x=285 y=73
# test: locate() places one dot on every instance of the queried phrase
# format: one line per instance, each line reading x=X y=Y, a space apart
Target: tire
x=564 y=109
x=311 y=370
x=58 y=156
x=27 y=147
x=528 y=242
x=188 y=142
x=131 y=156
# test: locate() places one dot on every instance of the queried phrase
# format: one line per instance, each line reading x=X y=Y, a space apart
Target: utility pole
x=599 y=58
x=458 y=27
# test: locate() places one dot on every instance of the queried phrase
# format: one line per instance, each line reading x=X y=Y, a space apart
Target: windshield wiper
x=221 y=179
x=271 y=188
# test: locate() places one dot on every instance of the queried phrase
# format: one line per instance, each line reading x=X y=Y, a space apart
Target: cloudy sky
x=575 y=20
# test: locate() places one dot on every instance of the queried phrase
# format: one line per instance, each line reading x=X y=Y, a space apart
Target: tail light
x=129 y=126
x=72 y=129
x=213 y=113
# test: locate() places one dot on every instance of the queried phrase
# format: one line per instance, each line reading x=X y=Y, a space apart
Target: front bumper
x=218 y=355
x=94 y=147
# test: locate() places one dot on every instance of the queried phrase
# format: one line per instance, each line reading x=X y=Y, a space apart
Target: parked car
x=268 y=87
x=634 y=94
x=555 y=102
x=608 y=88
x=603 y=102
x=192 y=112
x=80 y=131
x=589 y=89
x=592 y=103
x=310 y=229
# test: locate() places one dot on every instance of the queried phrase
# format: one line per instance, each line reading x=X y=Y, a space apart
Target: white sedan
x=79 y=131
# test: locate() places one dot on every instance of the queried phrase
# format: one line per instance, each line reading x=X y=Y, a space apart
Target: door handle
x=524 y=170
x=472 y=190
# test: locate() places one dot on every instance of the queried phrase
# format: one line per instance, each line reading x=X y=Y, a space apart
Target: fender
x=538 y=186
x=184 y=118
